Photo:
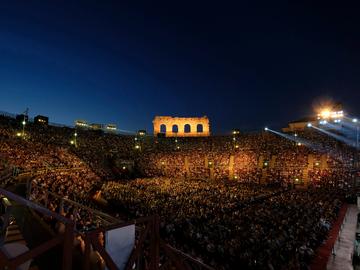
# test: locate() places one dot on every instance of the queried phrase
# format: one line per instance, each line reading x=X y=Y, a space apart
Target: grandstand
x=245 y=200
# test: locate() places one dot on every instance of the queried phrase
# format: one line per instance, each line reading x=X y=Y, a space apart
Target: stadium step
x=13 y=234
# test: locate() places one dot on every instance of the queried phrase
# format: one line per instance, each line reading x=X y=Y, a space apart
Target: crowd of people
x=229 y=224
x=217 y=197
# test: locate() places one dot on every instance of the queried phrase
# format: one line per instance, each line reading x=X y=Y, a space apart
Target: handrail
x=99 y=213
x=65 y=239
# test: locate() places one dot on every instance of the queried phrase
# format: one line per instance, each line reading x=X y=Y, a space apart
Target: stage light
x=325 y=113
x=266 y=129
x=354 y=120
x=309 y=125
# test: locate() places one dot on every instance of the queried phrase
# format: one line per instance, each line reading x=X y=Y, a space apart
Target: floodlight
x=266 y=129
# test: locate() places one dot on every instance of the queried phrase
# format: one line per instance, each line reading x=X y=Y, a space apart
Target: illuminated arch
x=175 y=129
x=187 y=128
x=162 y=128
x=199 y=128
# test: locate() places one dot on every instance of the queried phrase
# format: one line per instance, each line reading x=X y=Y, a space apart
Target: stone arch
x=175 y=128
x=162 y=128
x=199 y=126
x=187 y=128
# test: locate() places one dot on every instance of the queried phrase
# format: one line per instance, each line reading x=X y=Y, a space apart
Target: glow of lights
x=75 y=134
x=309 y=125
x=354 y=120
x=295 y=135
x=266 y=129
x=71 y=142
x=162 y=163
x=317 y=164
x=124 y=168
x=298 y=144
x=323 y=122
x=236 y=177
x=137 y=146
x=296 y=179
x=18 y=134
x=176 y=140
x=325 y=113
x=178 y=147
x=136 y=139
x=23 y=122
x=237 y=146
x=210 y=162
x=265 y=163
x=234 y=139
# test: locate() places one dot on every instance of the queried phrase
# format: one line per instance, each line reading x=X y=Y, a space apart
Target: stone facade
x=182 y=126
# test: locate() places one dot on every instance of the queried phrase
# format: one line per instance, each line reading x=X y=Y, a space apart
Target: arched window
x=175 y=129
x=199 y=128
x=187 y=128
x=163 y=128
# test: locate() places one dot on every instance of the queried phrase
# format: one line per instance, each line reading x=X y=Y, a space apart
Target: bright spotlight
x=355 y=120
x=266 y=129
x=325 y=113
x=309 y=125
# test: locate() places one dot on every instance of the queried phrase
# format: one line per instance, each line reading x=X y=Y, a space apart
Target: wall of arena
x=182 y=126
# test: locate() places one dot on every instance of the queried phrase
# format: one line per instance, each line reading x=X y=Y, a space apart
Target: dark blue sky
x=243 y=65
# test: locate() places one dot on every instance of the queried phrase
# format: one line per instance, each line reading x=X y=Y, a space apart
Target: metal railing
x=65 y=239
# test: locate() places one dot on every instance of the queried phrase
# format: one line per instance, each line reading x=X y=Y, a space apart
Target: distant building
x=182 y=126
x=41 y=120
x=81 y=124
x=95 y=126
x=111 y=127
x=300 y=124
x=22 y=117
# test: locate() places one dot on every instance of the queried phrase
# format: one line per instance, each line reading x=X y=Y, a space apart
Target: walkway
x=344 y=246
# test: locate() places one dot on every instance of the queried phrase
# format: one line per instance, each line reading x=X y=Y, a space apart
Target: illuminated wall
x=182 y=126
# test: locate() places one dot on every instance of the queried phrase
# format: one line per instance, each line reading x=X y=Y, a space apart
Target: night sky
x=242 y=65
